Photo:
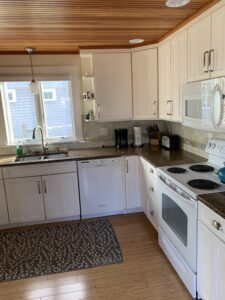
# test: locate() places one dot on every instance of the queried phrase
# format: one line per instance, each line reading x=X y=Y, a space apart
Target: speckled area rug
x=36 y=251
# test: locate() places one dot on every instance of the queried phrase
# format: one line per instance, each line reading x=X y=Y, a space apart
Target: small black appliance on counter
x=170 y=141
x=121 y=138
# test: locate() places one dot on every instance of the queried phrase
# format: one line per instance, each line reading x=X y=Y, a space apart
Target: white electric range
x=179 y=187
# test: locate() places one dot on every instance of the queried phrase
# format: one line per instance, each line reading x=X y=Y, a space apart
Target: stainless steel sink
x=41 y=157
x=29 y=158
x=56 y=156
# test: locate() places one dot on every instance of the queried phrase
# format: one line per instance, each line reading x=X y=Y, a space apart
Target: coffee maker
x=121 y=138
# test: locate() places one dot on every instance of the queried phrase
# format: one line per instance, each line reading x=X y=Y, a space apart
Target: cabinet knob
x=152 y=213
x=151 y=189
x=217 y=225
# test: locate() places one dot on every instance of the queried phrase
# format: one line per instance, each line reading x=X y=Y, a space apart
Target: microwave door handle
x=212 y=109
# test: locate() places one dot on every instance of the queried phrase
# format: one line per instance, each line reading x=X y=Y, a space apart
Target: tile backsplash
x=97 y=134
x=193 y=140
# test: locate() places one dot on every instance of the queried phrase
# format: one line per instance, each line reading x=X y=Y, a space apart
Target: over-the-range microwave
x=203 y=104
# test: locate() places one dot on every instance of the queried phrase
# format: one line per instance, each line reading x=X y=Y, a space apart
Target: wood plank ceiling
x=65 y=26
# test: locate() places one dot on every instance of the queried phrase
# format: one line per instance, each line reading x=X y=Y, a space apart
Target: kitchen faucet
x=42 y=137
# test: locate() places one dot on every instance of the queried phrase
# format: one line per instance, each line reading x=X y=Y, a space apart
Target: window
x=49 y=94
x=51 y=109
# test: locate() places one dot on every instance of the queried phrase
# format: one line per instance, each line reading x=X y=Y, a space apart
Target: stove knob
x=213 y=146
x=209 y=145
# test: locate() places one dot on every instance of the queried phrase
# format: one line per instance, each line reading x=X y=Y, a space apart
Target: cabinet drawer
x=39 y=169
x=151 y=186
x=212 y=220
x=149 y=168
x=153 y=213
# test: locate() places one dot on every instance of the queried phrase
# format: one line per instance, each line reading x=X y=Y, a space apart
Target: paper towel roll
x=137 y=137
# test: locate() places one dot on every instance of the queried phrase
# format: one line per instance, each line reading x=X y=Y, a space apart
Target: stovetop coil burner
x=201 y=168
x=203 y=184
x=176 y=170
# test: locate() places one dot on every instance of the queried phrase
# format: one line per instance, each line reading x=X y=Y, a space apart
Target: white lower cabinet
x=41 y=192
x=211 y=258
x=61 y=195
x=25 y=199
x=132 y=178
x=149 y=192
x=3 y=206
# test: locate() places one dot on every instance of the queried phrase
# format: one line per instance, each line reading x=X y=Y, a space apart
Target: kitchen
x=112 y=150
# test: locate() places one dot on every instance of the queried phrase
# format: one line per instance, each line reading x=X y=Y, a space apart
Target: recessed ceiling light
x=177 y=3
x=136 y=41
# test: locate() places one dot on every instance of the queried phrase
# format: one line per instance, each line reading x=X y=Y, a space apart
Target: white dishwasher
x=102 y=187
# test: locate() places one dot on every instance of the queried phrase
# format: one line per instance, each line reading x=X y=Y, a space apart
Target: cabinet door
x=3 y=206
x=132 y=182
x=25 y=199
x=218 y=277
x=199 y=42
x=145 y=84
x=143 y=188
x=205 y=262
x=61 y=195
x=113 y=88
x=164 y=81
x=218 y=43
x=211 y=265
x=178 y=73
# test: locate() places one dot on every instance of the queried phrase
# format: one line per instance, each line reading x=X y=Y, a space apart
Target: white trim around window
x=42 y=74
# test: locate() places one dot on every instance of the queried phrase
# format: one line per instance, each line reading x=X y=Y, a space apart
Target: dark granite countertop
x=215 y=201
x=154 y=154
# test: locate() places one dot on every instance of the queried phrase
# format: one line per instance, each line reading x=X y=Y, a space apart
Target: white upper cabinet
x=113 y=86
x=145 y=84
x=199 y=45
x=178 y=73
x=172 y=74
x=218 y=43
x=164 y=81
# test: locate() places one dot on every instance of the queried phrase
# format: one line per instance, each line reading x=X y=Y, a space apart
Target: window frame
x=39 y=103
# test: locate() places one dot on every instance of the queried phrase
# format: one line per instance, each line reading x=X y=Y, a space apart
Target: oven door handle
x=191 y=202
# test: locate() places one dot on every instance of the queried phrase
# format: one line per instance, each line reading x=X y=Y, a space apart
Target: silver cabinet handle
x=39 y=187
x=99 y=114
x=170 y=104
x=211 y=60
x=205 y=68
x=151 y=188
x=167 y=104
x=45 y=187
x=127 y=167
x=154 y=108
x=171 y=107
x=217 y=225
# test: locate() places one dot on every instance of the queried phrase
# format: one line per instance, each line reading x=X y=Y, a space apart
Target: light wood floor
x=144 y=274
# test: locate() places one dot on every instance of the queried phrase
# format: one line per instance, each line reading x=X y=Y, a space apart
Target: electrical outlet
x=103 y=131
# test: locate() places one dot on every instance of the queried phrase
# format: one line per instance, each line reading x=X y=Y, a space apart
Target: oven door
x=178 y=220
